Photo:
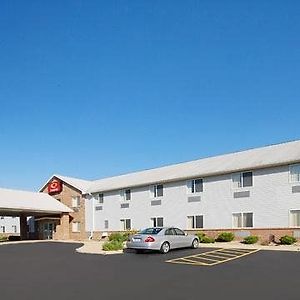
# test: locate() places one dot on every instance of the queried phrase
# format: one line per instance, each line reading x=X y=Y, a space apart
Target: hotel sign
x=54 y=186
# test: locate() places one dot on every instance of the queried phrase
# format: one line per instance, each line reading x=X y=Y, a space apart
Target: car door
x=182 y=239
x=171 y=237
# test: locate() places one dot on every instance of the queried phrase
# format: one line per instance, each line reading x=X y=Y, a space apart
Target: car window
x=179 y=232
x=151 y=230
x=170 y=231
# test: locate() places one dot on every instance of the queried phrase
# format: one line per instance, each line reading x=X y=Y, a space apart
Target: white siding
x=270 y=200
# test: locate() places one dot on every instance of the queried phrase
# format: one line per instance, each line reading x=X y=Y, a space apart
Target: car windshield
x=152 y=230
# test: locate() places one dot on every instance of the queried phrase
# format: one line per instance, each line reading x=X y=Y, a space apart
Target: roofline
x=90 y=191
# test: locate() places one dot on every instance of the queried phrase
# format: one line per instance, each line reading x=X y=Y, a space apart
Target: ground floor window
x=194 y=222
x=125 y=224
x=76 y=227
x=295 y=218
x=157 y=222
x=241 y=220
x=2 y=229
x=106 y=224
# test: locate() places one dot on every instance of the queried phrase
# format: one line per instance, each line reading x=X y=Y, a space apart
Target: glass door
x=48 y=229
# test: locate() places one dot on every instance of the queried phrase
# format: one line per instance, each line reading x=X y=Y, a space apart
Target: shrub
x=3 y=238
x=118 y=237
x=200 y=236
x=225 y=237
x=112 y=246
x=251 y=239
x=207 y=239
x=287 y=240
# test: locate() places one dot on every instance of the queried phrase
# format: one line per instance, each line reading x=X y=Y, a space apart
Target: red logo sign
x=54 y=187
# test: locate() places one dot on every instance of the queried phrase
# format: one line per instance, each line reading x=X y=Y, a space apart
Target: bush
x=3 y=238
x=251 y=239
x=112 y=246
x=200 y=236
x=287 y=240
x=207 y=240
x=225 y=237
x=118 y=237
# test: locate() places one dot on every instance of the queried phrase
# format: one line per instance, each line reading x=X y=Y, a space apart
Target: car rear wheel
x=165 y=248
x=195 y=244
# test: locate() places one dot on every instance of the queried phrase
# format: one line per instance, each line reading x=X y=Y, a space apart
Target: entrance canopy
x=14 y=203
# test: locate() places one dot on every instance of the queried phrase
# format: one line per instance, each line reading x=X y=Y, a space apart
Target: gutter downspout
x=93 y=217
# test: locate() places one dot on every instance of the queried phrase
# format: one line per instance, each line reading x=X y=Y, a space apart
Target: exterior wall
x=65 y=196
x=8 y=223
x=270 y=201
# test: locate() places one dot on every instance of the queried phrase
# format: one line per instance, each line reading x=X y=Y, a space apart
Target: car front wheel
x=195 y=244
x=165 y=248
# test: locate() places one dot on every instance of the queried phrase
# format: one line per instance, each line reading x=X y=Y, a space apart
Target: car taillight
x=149 y=239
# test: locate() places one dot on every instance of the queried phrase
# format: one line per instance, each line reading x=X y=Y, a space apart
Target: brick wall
x=65 y=196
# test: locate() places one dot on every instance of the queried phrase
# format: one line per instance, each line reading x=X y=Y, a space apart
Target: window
x=179 y=232
x=195 y=186
x=295 y=218
x=75 y=201
x=158 y=190
x=295 y=173
x=195 y=222
x=242 y=220
x=2 y=218
x=106 y=224
x=170 y=231
x=127 y=195
x=99 y=198
x=76 y=227
x=14 y=228
x=241 y=180
x=157 y=222
x=125 y=224
x=2 y=229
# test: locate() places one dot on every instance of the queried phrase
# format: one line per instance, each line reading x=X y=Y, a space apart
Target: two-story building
x=255 y=191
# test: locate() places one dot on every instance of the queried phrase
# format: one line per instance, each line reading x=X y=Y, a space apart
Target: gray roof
x=23 y=201
x=263 y=157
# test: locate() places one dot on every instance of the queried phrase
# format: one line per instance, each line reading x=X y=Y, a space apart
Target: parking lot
x=56 y=271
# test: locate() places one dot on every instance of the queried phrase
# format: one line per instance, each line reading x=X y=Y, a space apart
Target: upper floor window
x=125 y=195
x=195 y=186
x=158 y=190
x=295 y=173
x=241 y=180
x=100 y=198
x=75 y=201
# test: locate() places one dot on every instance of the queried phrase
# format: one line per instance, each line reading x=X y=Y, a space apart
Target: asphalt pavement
x=55 y=271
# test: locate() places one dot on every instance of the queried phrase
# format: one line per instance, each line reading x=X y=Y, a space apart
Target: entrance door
x=48 y=229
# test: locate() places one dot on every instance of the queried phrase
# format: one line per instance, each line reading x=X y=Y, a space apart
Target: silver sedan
x=162 y=239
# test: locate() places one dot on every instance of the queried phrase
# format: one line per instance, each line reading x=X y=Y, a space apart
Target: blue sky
x=98 y=88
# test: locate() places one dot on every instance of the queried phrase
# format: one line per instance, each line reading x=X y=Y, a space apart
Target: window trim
x=77 y=230
x=125 y=225
x=155 y=191
x=290 y=215
x=78 y=199
x=156 y=225
x=194 y=222
x=190 y=183
x=289 y=174
x=242 y=180
x=242 y=214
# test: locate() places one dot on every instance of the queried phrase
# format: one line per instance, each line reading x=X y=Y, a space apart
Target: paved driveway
x=54 y=271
